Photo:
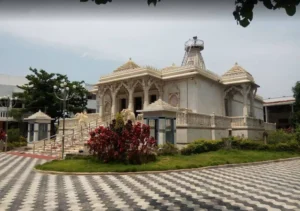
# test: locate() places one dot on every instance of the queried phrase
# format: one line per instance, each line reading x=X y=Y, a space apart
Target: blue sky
x=88 y=47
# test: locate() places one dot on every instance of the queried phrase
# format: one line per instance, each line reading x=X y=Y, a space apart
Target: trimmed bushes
x=280 y=136
x=201 y=146
x=167 y=149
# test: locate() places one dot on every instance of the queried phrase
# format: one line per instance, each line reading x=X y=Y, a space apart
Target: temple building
x=199 y=94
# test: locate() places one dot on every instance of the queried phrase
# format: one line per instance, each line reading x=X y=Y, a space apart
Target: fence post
x=51 y=149
x=44 y=144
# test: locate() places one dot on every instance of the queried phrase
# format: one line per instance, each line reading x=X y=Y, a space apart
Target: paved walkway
x=273 y=186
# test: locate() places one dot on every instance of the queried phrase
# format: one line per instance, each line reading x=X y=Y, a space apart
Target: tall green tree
x=243 y=12
x=39 y=94
x=296 y=91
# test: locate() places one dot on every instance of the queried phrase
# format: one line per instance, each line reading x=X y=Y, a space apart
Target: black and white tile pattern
x=274 y=186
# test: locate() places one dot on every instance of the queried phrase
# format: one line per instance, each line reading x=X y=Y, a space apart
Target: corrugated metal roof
x=279 y=100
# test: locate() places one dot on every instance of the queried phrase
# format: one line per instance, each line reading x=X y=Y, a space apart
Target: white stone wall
x=237 y=107
x=199 y=94
x=259 y=109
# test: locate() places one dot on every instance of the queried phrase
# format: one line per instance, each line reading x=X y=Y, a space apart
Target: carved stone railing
x=269 y=126
x=222 y=121
x=69 y=123
x=237 y=121
x=254 y=123
x=193 y=119
x=181 y=118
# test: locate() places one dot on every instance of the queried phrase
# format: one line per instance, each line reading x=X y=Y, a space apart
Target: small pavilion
x=39 y=126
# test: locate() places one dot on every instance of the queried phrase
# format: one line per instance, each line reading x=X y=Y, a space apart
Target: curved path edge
x=167 y=171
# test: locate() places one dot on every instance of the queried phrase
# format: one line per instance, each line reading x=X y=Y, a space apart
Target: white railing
x=237 y=121
x=254 y=123
x=222 y=121
x=193 y=119
x=269 y=126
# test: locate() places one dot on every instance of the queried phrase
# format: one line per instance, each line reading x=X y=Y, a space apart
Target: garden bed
x=167 y=162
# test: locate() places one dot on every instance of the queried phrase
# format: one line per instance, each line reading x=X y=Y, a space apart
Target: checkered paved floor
x=273 y=186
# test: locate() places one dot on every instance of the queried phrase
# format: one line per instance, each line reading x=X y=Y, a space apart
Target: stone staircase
x=76 y=135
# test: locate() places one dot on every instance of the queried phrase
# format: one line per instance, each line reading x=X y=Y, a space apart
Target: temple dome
x=129 y=65
x=237 y=74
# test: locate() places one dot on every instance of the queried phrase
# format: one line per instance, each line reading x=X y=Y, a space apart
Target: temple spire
x=193 y=56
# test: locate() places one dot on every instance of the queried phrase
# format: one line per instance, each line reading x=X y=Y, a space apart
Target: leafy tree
x=296 y=91
x=18 y=115
x=38 y=94
x=243 y=12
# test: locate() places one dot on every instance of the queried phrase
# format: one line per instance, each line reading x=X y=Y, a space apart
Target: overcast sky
x=86 y=41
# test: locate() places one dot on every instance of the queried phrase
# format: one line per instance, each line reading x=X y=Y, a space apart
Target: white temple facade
x=201 y=96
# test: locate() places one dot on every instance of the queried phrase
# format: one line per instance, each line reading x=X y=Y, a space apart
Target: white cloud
x=261 y=48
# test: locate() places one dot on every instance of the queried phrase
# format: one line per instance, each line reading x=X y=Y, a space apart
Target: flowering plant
x=2 y=135
x=123 y=143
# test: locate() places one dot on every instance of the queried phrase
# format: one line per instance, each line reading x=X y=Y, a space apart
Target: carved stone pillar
x=28 y=132
x=146 y=96
x=36 y=132
x=100 y=100
x=245 y=91
x=113 y=106
x=130 y=103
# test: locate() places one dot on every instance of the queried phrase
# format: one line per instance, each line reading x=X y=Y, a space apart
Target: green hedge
x=201 y=146
x=280 y=136
x=167 y=149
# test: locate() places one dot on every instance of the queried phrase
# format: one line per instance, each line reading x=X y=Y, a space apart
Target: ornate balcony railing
x=222 y=121
x=193 y=119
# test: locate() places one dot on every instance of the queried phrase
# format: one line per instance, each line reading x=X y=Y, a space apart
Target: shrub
x=291 y=146
x=297 y=134
x=280 y=136
x=123 y=143
x=201 y=146
x=13 y=135
x=2 y=134
x=167 y=149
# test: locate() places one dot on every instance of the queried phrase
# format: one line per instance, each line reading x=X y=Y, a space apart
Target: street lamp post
x=63 y=93
x=8 y=102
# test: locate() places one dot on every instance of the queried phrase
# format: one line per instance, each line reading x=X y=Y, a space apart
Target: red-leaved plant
x=2 y=134
x=126 y=143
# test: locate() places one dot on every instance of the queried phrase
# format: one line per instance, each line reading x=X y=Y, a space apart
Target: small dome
x=127 y=66
x=237 y=74
x=39 y=115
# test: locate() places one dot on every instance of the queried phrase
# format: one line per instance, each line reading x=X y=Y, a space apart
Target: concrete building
x=279 y=110
x=8 y=86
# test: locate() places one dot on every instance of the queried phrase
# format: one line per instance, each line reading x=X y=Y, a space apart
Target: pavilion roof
x=129 y=65
x=237 y=74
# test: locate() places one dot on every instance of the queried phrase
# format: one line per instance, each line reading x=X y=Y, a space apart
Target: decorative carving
x=128 y=115
x=82 y=118
x=174 y=95
x=174 y=100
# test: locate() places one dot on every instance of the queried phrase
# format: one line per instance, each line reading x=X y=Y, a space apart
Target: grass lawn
x=167 y=162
